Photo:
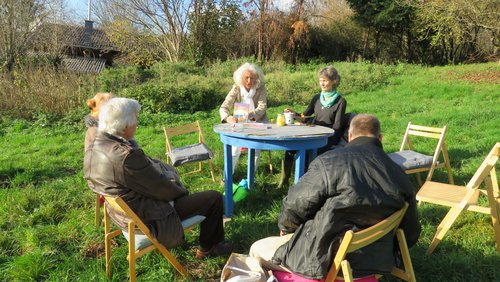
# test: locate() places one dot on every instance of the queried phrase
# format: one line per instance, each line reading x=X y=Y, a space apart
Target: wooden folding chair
x=138 y=244
x=353 y=241
x=198 y=152
x=413 y=161
x=97 y=211
x=461 y=198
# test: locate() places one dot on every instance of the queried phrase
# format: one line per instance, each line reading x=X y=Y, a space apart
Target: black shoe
x=219 y=249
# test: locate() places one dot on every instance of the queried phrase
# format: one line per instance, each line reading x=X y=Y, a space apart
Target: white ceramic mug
x=289 y=118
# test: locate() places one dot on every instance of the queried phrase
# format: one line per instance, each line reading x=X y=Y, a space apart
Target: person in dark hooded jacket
x=350 y=188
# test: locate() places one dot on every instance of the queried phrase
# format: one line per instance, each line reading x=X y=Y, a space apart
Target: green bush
x=157 y=98
x=168 y=71
x=115 y=79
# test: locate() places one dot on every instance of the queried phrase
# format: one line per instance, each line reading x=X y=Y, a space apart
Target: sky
x=78 y=8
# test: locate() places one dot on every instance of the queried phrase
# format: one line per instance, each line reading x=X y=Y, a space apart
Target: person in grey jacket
x=153 y=190
x=349 y=188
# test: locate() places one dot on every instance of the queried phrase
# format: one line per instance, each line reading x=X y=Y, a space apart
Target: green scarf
x=334 y=95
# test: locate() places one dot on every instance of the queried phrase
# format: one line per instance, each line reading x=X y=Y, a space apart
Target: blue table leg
x=228 y=181
x=300 y=164
x=251 y=167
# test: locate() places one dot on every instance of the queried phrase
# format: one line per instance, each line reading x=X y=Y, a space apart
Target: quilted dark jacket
x=349 y=188
x=117 y=167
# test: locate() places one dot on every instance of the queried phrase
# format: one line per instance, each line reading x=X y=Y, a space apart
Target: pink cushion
x=292 y=277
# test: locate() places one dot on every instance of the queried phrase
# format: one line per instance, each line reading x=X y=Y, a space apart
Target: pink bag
x=282 y=276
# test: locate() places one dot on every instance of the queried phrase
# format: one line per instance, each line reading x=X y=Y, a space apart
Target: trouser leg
x=235 y=152
x=286 y=168
x=209 y=204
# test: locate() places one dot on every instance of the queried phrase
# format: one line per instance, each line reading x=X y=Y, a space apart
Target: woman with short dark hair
x=326 y=109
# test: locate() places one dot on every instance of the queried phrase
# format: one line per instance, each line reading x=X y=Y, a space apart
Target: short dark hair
x=365 y=125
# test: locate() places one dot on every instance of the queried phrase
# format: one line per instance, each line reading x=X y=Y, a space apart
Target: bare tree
x=260 y=10
x=166 y=19
x=18 y=21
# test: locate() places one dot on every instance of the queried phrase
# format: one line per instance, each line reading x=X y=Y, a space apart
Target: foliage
x=115 y=79
x=456 y=31
x=29 y=92
x=140 y=49
x=18 y=20
x=211 y=24
x=157 y=98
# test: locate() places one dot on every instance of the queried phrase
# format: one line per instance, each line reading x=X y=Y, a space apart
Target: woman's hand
x=288 y=110
x=231 y=119
x=282 y=233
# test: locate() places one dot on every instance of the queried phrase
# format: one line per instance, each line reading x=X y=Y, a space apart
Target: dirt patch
x=489 y=76
x=96 y=250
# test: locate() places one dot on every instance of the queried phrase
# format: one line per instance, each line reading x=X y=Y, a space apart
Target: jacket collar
x=365 y=140
x=114 y=137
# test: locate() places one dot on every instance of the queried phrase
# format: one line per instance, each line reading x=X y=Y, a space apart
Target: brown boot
x=286 y=171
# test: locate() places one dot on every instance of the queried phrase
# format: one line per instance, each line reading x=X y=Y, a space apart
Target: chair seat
x=282 y=276
x=142 y=241
x=444 y=194
x=191 y=153
x=410 y=159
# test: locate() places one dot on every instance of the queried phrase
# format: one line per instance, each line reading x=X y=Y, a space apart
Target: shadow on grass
x=459 y=256
x=22 y=177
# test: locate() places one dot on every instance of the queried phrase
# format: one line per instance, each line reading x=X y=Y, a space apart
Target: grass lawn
x=47 y=231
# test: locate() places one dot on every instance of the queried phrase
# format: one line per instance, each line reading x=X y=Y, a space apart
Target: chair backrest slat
x=182 y=129
x=353 y=241
x=425 y=134
x=426 y=128
x=485 y=167
x=369 y=235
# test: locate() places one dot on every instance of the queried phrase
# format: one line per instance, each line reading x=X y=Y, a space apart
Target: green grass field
x=46 y=212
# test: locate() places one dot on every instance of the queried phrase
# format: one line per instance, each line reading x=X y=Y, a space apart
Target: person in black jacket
x=350 y=188
x=328 y=108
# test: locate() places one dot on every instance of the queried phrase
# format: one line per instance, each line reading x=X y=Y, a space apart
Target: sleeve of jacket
x=305 y=198
x=410 y=223
x=228 y=103
x=339 y=115
x=261 y=107
x=151 y=177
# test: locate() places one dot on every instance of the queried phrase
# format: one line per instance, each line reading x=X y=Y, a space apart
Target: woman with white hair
x=154 y=191
x=249 y=88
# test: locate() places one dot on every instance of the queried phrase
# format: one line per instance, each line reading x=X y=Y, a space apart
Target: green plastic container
x=239 y=193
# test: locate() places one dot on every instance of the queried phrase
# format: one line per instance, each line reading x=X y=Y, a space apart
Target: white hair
x=117 y=114
x=254 y=69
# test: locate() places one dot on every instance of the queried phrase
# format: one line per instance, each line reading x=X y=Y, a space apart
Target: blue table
x=300 y=138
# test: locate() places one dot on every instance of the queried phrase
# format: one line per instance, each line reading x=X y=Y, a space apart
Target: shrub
x=157 y=98
x=116 y=79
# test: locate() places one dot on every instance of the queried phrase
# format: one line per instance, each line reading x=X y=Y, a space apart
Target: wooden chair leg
x=131 y=252
x=172 y=260
x=448 y=220
x=405 y=254
x=270 y=163
x=211 y=166
x=419 y=179
x=494 y=202
x=347 y=271
x=97 y=212
x=447 y=165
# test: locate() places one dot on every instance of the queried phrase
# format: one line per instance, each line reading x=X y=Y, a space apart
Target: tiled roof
x=85 y=64
x=75 y=36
